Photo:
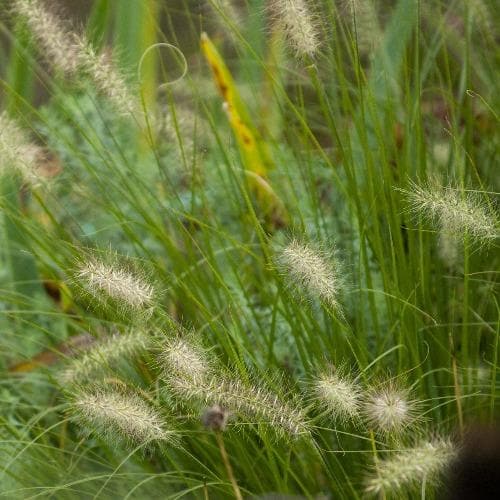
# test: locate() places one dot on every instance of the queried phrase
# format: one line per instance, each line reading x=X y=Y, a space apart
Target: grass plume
x=453 y=210
x=405 y=470
x=120 y=416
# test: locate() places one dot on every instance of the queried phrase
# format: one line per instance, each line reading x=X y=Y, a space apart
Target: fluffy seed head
x=294 y=17
x=454 y=211
x=389 y=409
x=107 y=78
x=118 y=283
x=340 y=395
x=70 y=53
x=309 y=269
x=251 y=402
x=119 y=415
x=103 y=355
x=408 y=468
x=17 y=152
x=184 y=361
x=58 y=44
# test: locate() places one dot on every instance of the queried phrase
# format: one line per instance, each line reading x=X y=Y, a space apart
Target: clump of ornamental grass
x=338 y=394
x=453 y=210
x=71 y=53
x=117 y=282
x=107 y=353
x=405 y=471
x=119 y=416
x=299 y=25
x=389 y=410
x=17 y=152
x=307 y=269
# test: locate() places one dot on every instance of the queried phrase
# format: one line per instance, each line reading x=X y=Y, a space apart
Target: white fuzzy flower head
x=389 y=410
x=114 y=281
x=311 y=271
x=405 y=471
x=339 y=394
x=299 y=25
x=258 y=403
x=184 y=360
x=57 y=42
x=454 y=211
x=104 y=355
x=71 y=53
x=107 y=79
x=17 y=152
x=116 y=415
x=251 y=402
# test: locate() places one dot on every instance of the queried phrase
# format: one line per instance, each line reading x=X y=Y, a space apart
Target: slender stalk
x=227 y=465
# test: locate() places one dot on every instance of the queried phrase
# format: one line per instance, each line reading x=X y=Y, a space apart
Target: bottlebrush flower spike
x=409 y=468
x=310 y=270
x=340 y=395
x=254 y=403
x=298 y=23
x=389 y=409
x=59 y=44
x=119 y=416
x=185 y=361
x=70 y=53
x=17 y=152
x=105 y=354
x=454 y=211
x=116 y=282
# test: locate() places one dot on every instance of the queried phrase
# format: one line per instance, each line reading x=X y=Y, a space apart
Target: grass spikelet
x=299 y=25
x=185 y=361
x=310 y=270
x=115 y=281
x=123 y=416
x=339 y=395
x=248 y=401
x=390 y=410
x=107 y=79
x=454 y=211
x=257 y=402
x=17 y=152
x=71 y=53
x=105 y=354
x=409 y=468
x=57 y=43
